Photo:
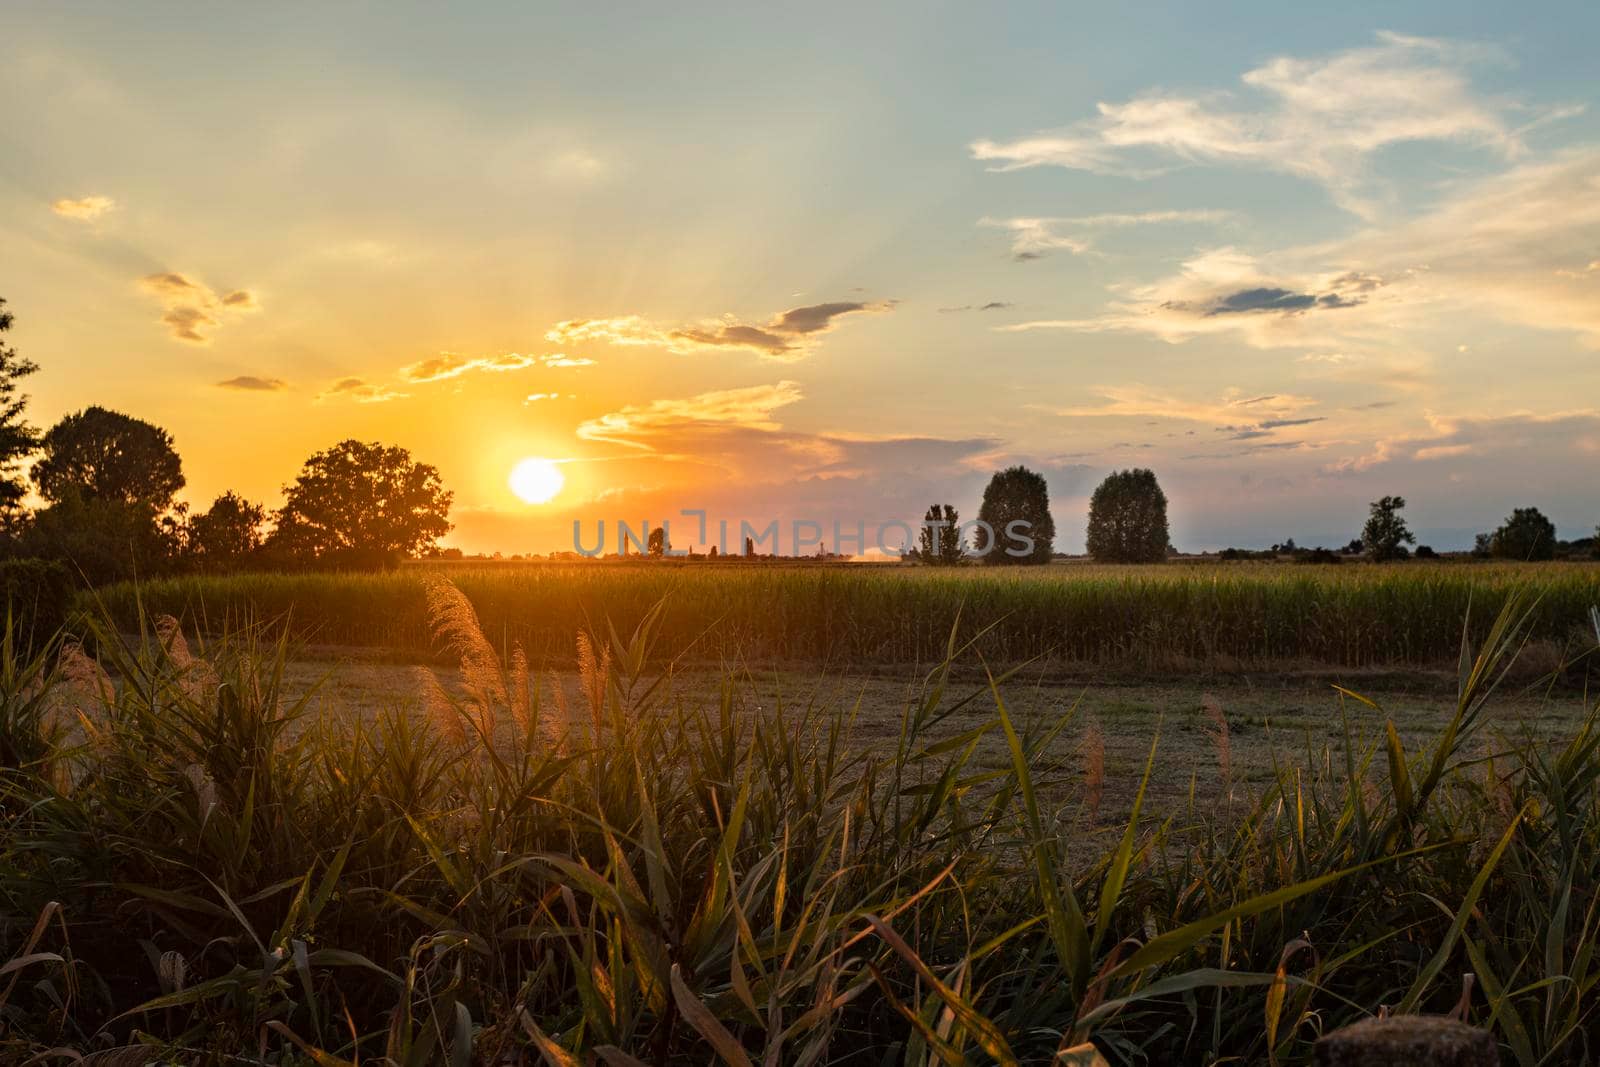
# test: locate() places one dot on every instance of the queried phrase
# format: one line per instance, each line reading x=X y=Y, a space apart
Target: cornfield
x=1174 y=617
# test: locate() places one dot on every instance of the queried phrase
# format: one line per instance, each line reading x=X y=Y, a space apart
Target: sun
x=536 y=480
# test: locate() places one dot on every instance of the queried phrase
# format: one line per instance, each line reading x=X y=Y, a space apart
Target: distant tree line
x=105 y=504
x=1128 y=524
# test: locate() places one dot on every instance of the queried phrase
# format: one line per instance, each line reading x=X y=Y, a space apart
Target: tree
x=1016 y=509
x=102 y=540
x=941 y=541
x=227 y=534
x=98 y=454
x=1128 y=519
x=1526 y=535
x=363 y=505
x=658 y=542
x=1594 y=547
x=17 y=438
x=1386 y=535
x=749 y=548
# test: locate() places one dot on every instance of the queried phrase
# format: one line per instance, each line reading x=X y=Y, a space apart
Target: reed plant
x=196 y=868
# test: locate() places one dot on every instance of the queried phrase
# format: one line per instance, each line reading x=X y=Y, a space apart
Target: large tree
x=103 y=540
x=1128 y=519
x=1525 y=535
x=940 y=540
x=1386 y=535
x=362 y=504
x=17 y=438
x=98 y=454
x=1017 y=496
x=227 y=534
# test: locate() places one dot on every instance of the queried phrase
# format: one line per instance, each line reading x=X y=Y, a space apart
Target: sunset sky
x=828 y=261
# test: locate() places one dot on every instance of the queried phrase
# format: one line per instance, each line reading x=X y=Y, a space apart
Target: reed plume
x=455 y=624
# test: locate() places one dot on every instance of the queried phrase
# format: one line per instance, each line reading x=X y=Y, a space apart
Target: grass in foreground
x=186 y=869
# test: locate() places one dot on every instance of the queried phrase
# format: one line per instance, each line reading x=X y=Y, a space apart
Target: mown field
x=1169 y=618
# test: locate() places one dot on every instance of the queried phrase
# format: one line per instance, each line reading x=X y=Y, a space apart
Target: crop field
x=1169 y=618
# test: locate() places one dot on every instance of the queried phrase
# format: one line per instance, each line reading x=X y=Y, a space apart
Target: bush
x=37 y=592
x=1525 y=535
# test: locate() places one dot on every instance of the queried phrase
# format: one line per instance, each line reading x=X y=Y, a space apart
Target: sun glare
x=536 y=480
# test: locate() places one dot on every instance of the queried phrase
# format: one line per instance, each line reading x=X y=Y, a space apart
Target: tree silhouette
x=17 y=438
x=1386 y=534
x=98 y=454
x=227 y=534
x=1017 y=495
x=1525 y=535
x=361 y=505
x=940 y=540
x=1128 y=519
x=658 y=543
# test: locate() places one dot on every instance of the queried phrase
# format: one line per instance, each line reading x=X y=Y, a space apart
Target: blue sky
x=840 y=260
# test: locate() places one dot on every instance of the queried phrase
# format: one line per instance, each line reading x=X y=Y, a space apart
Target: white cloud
x=1320 y=119
x=1502 y=247
x=1033 y=237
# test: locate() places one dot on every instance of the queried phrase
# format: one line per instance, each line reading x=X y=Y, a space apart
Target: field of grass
x=197 y=863
x=1169 y=618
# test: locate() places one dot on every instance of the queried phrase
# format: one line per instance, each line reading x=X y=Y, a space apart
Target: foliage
x=1386 y=534
x=226 y=535
x=100 y=455
x=940 y=540
x=1525 y=535
x=656 y=543
x=37 y=593
x=494 y=875
x=1016 y=495
x=17 y=438
x=358 y=504
x=1170 y=617
x=1128 y=519
x=103 y=540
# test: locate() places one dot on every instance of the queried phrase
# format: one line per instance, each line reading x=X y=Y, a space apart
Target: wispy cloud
x=84 y=209
x=447 y=365
x=1036 y=237
x=992 y=305
x=254 y=384
x=1319 y=118
x=1268 y=410
x=191 y=310
x=1512 y=247
x=1501 y=443
x=785 y=337
x=752 y=408
x=361 y=391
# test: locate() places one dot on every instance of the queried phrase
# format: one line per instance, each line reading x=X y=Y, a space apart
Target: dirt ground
x=1286 y=721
